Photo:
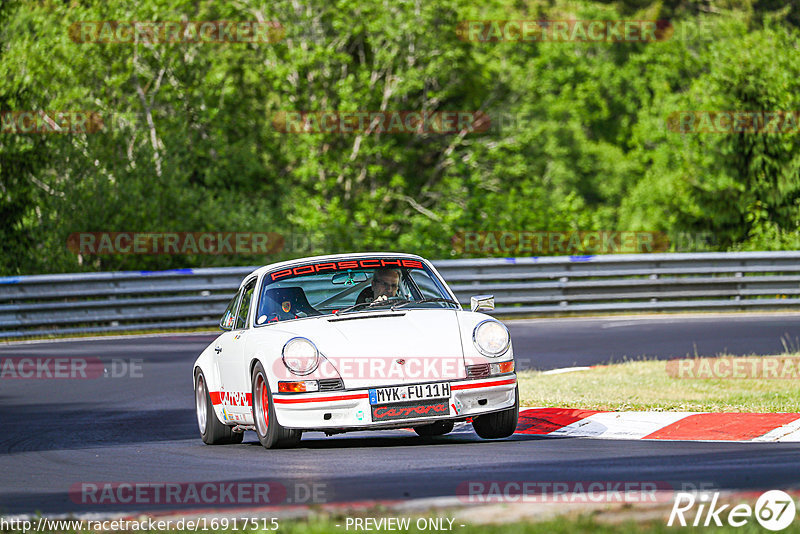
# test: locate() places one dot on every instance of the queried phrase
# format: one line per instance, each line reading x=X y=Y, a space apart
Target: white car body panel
x=435 y=345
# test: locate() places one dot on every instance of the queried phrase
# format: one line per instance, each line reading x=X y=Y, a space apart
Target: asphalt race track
x=557 y=343
x=59 y=433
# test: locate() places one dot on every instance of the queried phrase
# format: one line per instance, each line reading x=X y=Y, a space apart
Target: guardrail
x=192 y=298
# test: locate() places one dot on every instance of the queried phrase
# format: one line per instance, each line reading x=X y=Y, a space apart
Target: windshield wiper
x=361 y=305
x=429 y=299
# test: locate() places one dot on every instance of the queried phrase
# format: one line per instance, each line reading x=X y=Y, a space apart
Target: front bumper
x=350 y=409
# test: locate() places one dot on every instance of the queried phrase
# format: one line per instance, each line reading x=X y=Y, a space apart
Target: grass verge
x=647 y=385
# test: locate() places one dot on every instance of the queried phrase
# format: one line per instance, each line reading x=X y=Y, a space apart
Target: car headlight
x=491 y=338
x=300 y=356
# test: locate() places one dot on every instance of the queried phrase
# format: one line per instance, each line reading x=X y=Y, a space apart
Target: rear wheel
x=498 y=424
x=212 y=430
x=270 y=433
x=439 y=428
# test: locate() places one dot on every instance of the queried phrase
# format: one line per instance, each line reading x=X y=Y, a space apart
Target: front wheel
x=212 y=430
x=498 y=424
x=270 y=433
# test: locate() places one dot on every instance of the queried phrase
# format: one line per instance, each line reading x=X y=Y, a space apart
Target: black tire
x=439 y=428
x=498 y=424
x=270 y=433
x=212 y=430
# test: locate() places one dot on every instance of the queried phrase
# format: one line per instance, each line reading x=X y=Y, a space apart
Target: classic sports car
x=353 y=342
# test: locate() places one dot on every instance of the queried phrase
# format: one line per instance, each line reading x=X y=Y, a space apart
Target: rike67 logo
x=774 y=510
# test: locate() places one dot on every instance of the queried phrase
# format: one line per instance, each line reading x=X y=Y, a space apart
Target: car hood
x=382 y=347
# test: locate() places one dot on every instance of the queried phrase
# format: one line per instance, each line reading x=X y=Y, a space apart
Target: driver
x=385 y=284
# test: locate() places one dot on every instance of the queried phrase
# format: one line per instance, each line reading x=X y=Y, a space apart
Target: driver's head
x=385 y=282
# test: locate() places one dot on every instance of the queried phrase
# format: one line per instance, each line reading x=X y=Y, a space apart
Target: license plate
x=410 y=410
x=410 y=393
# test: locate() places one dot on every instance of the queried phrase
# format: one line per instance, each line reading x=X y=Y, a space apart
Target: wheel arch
x=253 y=362
x=206 y=364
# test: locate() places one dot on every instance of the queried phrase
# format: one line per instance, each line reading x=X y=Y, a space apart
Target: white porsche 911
x=353 y=342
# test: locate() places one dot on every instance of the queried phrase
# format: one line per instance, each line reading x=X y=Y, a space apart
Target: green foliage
x=578 y=139
x=744 y=187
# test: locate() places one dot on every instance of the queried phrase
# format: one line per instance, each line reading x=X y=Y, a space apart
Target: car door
x=230 y=357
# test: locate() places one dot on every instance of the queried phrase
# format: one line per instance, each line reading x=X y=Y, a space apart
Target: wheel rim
x=262 y=405
x=200 y=403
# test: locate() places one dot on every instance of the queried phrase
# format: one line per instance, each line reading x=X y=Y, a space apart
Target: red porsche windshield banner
x=346 y=265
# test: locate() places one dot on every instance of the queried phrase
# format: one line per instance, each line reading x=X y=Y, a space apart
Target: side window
x=247 y=297
x=427 y=285
x=226 y=323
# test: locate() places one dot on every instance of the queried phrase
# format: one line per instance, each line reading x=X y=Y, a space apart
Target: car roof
x=287 y=263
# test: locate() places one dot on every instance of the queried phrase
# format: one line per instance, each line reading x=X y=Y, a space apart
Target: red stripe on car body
x=484 y=384
x=284 y=400
x=216 y=396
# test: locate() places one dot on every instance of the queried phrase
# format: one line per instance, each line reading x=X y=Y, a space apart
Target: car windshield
x=349 y=286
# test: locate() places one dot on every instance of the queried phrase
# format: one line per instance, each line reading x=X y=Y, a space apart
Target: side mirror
x=482 y=302
x=226 y=323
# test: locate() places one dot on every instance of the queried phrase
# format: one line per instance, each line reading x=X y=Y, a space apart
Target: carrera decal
x=345 y=265
x=231 y=398
x=390 y=412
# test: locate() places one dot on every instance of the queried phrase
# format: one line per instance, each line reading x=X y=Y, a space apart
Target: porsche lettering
x=345 y=265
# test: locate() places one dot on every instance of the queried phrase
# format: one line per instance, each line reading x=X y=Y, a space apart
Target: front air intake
x=330 y=384
x=478 y=371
